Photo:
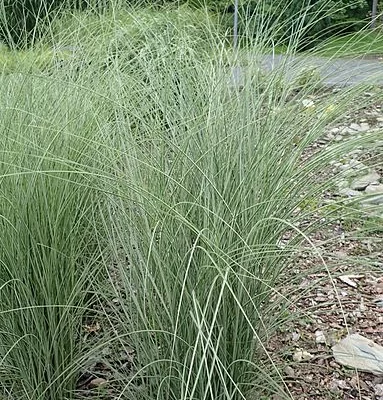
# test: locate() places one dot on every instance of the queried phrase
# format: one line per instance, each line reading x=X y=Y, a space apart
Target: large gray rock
x=362 y=127
x=377 y=189
x=358 y=352
x=362 y=182
x=374 y=190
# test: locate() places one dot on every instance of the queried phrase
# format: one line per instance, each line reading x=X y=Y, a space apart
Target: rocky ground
x=338 y=289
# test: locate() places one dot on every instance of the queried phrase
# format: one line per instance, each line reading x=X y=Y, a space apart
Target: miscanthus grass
x=210 y=178
x=49 y=233
x=133 y=172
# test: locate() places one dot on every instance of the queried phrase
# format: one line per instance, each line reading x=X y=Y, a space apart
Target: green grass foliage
x=140 y=186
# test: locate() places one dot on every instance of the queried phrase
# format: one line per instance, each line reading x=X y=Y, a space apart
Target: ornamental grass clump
x=210 y=177
x=49 y=234
x=139 y=176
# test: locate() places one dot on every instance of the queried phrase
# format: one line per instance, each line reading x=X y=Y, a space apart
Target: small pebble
x=378 y=390
x=97 y=382
x=320 y=337
x=289 y=372
x=333 y=364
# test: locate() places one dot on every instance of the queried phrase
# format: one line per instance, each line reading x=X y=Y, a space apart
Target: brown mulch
x=330 y=301
x=326 y=309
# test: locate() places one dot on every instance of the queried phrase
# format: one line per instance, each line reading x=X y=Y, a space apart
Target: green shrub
x=124 y=38
x=304 y=23
x=22 y=22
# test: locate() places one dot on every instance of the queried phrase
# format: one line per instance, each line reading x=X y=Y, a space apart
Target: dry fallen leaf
x=295 y=336
x=342 y=384
x=289 y=372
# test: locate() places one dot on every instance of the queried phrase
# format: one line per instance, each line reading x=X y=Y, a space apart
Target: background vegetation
x=22 y=22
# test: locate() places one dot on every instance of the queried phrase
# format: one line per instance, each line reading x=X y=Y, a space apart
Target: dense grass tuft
x=134 y=172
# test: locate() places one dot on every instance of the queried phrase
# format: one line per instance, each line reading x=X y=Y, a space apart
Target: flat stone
x=364 y=127
x=378 y=390
x=358 y=352
x=355 y=127
x=374 y=189
x=378 y=189
x=357 y=164
x=362 y=182
x=349 y=192
x=345 y=167
x=355 y=152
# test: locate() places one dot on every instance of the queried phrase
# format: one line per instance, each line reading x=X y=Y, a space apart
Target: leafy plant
x=23 y=22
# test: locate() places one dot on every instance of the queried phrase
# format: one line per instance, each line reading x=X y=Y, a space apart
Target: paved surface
x=339 y=72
